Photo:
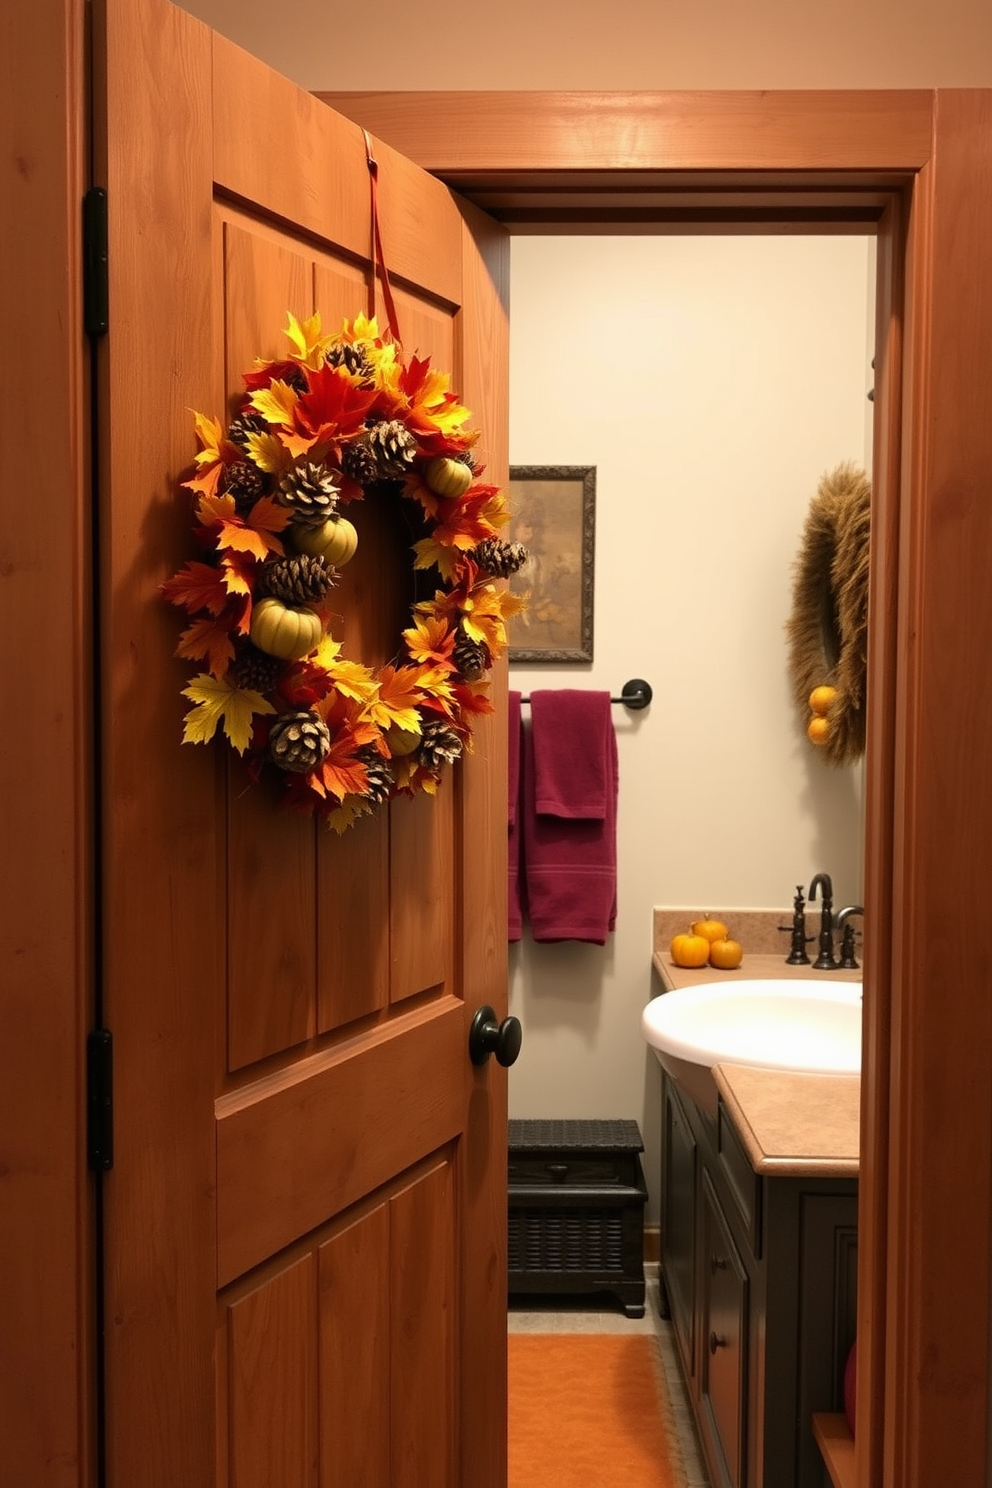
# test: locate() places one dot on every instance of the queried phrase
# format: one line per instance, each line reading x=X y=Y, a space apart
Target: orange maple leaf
x=211 y=639
x=197 y=586
x=398 y=700
x=430 y=638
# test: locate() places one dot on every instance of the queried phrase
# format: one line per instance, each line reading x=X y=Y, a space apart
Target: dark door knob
x=486 y=1037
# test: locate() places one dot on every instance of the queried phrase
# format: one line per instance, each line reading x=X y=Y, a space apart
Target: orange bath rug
x=589 y=1411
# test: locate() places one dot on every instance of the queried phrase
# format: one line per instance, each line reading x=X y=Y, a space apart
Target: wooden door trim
x=915 y=157
x=47 y=1359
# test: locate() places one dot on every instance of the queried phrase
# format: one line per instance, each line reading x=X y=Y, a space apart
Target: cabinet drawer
x=541 y=1169
x=744 y=1183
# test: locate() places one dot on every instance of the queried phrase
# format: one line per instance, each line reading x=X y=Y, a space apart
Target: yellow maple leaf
x=212 y=510
x=354 y=680
x=309 y=343
x=216 y=702
x=485 y=612
x=349 y=811
x=398 y=698
x=210 y=434
x=268 y=453
x=276 y=403
x=432 y=554
x=328 y=650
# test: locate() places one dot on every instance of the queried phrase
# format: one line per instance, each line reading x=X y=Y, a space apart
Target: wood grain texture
x=483 y=350
x=355 y=1324
x=879 y=829
x=46 y=798
x=379 y=1108
x=940 y=1205
x=471 y=132
x=421 y=925
x=326 y=190
x=162 y=881
x=273 y=1373
x=423 y=1317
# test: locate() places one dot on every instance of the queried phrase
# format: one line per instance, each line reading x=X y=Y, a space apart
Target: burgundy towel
x=572 y=777
x=570 y=862
x=514 y=915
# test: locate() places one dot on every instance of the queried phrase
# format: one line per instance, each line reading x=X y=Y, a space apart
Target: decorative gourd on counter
x=711 y=929
x=690 y=950
x=286 y=631
x=726 y=954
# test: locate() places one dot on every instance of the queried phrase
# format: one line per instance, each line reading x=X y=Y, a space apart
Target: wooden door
x=304 y=1226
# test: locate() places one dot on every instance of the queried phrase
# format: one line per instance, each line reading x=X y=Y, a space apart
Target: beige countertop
x=791 y=1124
x=794 y=1125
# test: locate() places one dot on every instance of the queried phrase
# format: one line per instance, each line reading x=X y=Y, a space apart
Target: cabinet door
x=723 y=1345
x=678 y=1221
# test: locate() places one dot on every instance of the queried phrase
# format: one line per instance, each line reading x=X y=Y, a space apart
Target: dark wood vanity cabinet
x=760 y=1273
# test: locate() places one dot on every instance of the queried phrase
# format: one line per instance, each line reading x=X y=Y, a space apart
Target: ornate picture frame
x=554 y=515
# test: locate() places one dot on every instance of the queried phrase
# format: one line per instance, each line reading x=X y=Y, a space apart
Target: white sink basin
x=811 y=1025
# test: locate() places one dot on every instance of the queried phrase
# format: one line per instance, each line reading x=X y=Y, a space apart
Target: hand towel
x=571 y=774
x=514 y=913
x=570 y=860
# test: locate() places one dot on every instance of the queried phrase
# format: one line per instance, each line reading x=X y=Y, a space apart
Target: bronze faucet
x=826 y=960
x=847 y=960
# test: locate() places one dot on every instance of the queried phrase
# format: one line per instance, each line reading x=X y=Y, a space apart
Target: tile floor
x=599 y=1315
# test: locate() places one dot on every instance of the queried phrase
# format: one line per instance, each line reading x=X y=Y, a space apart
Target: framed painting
x=554 y=516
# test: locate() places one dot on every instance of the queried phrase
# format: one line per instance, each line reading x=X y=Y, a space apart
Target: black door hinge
x=96 y=284
x=100 y=1100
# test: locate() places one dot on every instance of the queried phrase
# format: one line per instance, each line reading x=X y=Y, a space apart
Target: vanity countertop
x=791 y=1124
x=794 y=1125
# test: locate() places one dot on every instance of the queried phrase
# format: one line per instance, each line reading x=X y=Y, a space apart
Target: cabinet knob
x=717 y=1340
x=718 y=1263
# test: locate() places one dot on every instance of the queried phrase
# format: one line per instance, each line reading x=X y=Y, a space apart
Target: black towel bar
x=635 y=694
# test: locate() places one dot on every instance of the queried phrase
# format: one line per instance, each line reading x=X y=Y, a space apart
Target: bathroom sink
x=805 y=1025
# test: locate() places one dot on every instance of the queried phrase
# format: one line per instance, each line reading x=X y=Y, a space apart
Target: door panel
x=305 y=1223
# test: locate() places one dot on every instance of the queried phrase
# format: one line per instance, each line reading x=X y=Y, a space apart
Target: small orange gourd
x=690 y=950
x=726 y=954
x=711 y=929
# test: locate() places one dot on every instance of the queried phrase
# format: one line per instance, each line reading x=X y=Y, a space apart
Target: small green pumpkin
x=286 y=631
x=447 y=477
x=336 y=540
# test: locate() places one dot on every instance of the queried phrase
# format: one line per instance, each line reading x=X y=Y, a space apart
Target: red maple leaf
x=198 y=586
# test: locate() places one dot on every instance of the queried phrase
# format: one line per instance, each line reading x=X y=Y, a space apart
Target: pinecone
x=300 y=580
x=472 y=658
x=244 y=423
x=354 y=359
x=299 y=741
x=359 y=463
x=310 y=493
x=379 y=771
x=499 y=558
x=255 y=669
x=440 y=745
x=394 y=448
x=245 y=482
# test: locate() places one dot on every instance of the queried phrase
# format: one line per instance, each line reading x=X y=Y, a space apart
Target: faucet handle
x=847 y=958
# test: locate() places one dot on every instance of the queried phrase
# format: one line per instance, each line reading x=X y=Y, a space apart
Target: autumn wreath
x=340 y=416
x=827 y=628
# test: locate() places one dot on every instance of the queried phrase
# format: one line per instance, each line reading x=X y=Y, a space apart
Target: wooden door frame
x=914 y=167
x=765 y=160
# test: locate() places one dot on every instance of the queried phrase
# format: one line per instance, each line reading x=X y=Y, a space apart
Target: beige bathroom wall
x=630 y=44
x=711 y=381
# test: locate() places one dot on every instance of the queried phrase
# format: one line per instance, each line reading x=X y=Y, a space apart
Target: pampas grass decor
x=828 y=625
